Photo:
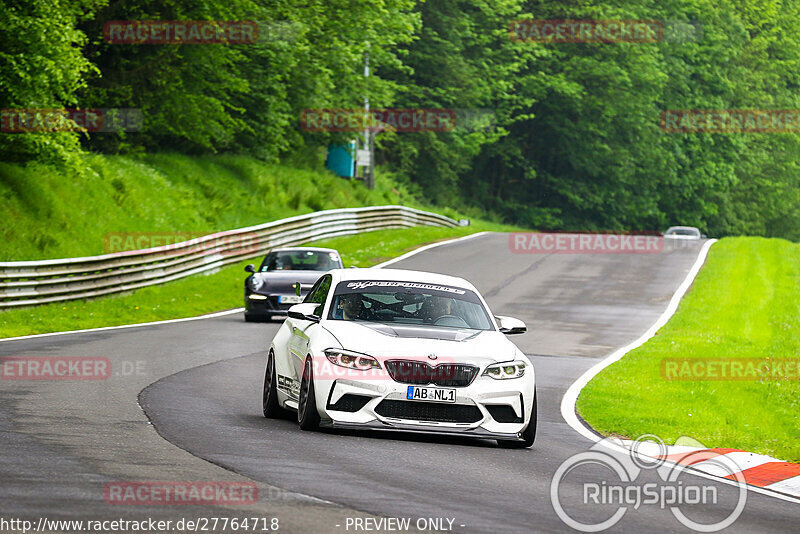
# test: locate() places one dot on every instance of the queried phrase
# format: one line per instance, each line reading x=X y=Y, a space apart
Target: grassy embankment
x=745 y=303
x=49 y=215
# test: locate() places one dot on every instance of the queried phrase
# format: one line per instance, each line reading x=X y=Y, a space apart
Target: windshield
x=300 y=260
x=411 y=303
x=683 y=231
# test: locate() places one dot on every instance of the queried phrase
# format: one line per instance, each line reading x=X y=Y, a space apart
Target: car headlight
x=257 y=283
x=505 y=370
x=351 y=360
x=256 y=296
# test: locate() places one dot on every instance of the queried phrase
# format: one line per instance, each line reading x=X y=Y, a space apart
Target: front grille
x=503 y=413
x=455 y=375
x=429 y=411
x=350 y=403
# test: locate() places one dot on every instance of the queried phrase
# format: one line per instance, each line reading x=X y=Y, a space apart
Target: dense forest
x=574 y=138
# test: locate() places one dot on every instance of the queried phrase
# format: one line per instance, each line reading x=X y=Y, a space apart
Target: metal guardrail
x=28 y=283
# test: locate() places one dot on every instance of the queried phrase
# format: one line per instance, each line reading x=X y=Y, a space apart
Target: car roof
x=692 y=228
x=298 y=249
x=401 y=275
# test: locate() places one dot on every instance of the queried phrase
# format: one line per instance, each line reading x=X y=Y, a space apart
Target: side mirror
x=703 y=236
x=296 y=287
x=250 y=269
x=304 y=311
x=510 y=325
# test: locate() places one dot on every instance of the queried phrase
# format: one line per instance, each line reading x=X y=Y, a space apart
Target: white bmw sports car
x=401 y=350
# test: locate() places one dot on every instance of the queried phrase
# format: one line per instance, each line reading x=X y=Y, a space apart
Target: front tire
x=307 y=414
x=269 y=397
x=528 y=435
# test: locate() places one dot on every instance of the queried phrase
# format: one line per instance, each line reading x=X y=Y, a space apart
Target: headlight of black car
x=257 y=283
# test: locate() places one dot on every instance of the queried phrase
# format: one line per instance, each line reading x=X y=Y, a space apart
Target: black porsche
x=270 y=290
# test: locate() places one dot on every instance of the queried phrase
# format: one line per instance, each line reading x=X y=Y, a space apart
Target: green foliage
x=589 y=153
x=60 y=213
x=571 y=135
x=42 y=68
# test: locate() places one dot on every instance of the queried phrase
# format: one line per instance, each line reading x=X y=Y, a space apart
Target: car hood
x=282 y=281
x=384 y=341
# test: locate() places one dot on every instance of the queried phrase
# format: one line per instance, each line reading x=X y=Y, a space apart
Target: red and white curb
x=730 y=464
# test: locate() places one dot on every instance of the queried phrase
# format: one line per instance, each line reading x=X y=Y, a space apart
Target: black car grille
x=420 y=373
x=350 y=403
x=429 y=411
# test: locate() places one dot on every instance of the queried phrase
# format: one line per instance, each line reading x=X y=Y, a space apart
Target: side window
x=319 y=293
x=312 y=294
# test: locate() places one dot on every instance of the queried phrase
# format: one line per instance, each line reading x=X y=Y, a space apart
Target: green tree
x=42 y=68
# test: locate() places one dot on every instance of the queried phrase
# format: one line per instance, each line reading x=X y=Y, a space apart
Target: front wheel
x=528 y=435
x=307 y=414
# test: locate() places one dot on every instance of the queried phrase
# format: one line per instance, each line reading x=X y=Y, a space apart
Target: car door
x=302 y=330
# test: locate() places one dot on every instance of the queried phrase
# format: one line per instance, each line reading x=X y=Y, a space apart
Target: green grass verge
x=745 y=303
x=61 y=213
x=201 y=294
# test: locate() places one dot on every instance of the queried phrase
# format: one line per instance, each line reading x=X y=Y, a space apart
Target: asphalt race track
x=183 y=403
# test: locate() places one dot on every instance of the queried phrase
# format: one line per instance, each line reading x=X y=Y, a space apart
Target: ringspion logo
x=593 y=490
x=180 y=32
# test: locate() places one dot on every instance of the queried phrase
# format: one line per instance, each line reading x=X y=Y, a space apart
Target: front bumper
x=487 y=408
x=425 y=429
x=266 y=307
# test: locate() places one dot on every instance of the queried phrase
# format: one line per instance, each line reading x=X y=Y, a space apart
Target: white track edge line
x=226 y=312
x=134 y=325
x=424 y=248
x=570 y=398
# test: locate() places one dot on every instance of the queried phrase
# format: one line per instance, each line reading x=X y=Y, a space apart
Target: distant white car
x=401 y=350
x=683 y=232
